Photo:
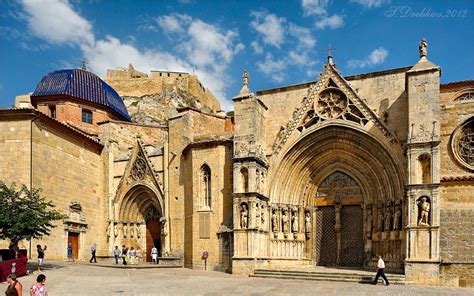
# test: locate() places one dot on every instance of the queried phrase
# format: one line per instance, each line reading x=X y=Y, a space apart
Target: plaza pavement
x=81 y=278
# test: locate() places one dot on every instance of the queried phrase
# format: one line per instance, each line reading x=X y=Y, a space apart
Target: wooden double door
x=339 y=236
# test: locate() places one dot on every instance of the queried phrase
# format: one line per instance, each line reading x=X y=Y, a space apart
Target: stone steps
x=330 y=275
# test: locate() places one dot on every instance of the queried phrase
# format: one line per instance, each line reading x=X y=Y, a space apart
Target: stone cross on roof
x=330 y=60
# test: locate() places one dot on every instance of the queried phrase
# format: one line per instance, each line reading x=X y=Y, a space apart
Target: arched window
x=425 y=168
x=244 y=174
x=206 y=186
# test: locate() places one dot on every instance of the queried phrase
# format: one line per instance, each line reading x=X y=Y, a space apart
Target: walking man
x=380 y=272
x=93 y=250
x=154 y=255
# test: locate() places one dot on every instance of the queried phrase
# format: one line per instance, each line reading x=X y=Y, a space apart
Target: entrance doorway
x=153 y=237
x=339 y=222
x=73 y=239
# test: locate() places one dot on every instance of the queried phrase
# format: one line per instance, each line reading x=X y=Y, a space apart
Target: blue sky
x=278 y=42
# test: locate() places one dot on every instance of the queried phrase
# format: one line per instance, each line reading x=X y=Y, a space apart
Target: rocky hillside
x=157 y=108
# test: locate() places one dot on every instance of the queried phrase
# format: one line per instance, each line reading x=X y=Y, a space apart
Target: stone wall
x=66 y=169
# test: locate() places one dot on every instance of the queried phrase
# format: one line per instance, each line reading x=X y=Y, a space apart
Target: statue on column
x=368 y=229
x=424 y=211
x=388 y=218
x=139 y=232
x=307 y=224
x=294 y=221
x=397 y=219
x=132 y=230
x=115 y=230
x=257 y=215
x=274 y=221
x=380 y=220
x=163 y=226
x=285 y=221
x=244 y=215
x=109 y=230
x=423 y=47
x=124 y=230
x=262 y=216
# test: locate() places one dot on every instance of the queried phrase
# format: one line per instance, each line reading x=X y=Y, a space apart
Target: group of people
x=129 y=256
x=15 y=288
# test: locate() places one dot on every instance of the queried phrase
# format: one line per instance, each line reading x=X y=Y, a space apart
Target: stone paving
x=86 y=279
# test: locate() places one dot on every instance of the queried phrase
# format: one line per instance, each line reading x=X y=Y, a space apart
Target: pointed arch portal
x=346 y=178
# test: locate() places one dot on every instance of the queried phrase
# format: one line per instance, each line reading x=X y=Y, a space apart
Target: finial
x=84 y=63
x=245 y=83
x=423 y=48
x=330 y=60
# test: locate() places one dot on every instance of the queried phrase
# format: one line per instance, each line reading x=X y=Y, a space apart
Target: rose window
x=331 y=103
x=139 y=169
x=466 y=143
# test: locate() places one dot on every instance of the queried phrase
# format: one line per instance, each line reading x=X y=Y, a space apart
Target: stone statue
x=424 y=211
x=294 y=222
x=369 y=221
x=262 y=216
x=139 y=232
x=132 y=230
x=397 y=219
x=274 y=221
x=163 y=226
x=257 y=216
x=245 y=78
x=338 y=215
x=244 y=216
x=115 y=230
x=124 y=230
x=423 y=47
x=307 y=223
x=108 y=231
x=380 y=220
x=388 y=219
x=285 y=221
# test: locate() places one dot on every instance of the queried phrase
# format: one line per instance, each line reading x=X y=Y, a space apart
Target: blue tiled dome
x=83 y=85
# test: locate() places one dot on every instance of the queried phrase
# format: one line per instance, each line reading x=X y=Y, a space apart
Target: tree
x=24 y=214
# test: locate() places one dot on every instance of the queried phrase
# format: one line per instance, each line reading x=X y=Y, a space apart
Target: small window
x=206 y=186
x=52 y=111
x=86 y=116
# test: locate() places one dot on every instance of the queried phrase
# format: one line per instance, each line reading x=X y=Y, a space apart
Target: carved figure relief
x=257 y=216
x=368 y=229
x=274 y=221
x=388 y=218
x=285 y=221
x=294 y=221
x=75 y=211
x=163 y=226
x=115 y=230
x=397 y=219
x=262 y=216
x=424 y=208
x=139 y=232
x=380 y=220
x=132 y=230
x=307 y=224
x=244 y=215
x=124 y=230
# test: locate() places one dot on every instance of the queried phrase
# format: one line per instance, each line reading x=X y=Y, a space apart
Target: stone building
x=331 y=172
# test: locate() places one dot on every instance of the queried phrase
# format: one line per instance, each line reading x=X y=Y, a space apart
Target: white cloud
x=304 y=36
x=377 y=56
x=269 y=26
x=371 y=3
x=57 y=23
x=333 y=22
x=273 y=68
x=173 y=23
x=205 y=48
x=256 y=47
x=314 y=7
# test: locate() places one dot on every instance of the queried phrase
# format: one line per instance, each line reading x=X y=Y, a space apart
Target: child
x=39 y=289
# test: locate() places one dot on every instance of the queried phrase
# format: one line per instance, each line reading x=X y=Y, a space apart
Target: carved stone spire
x=245 y=84
x=423 y=48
